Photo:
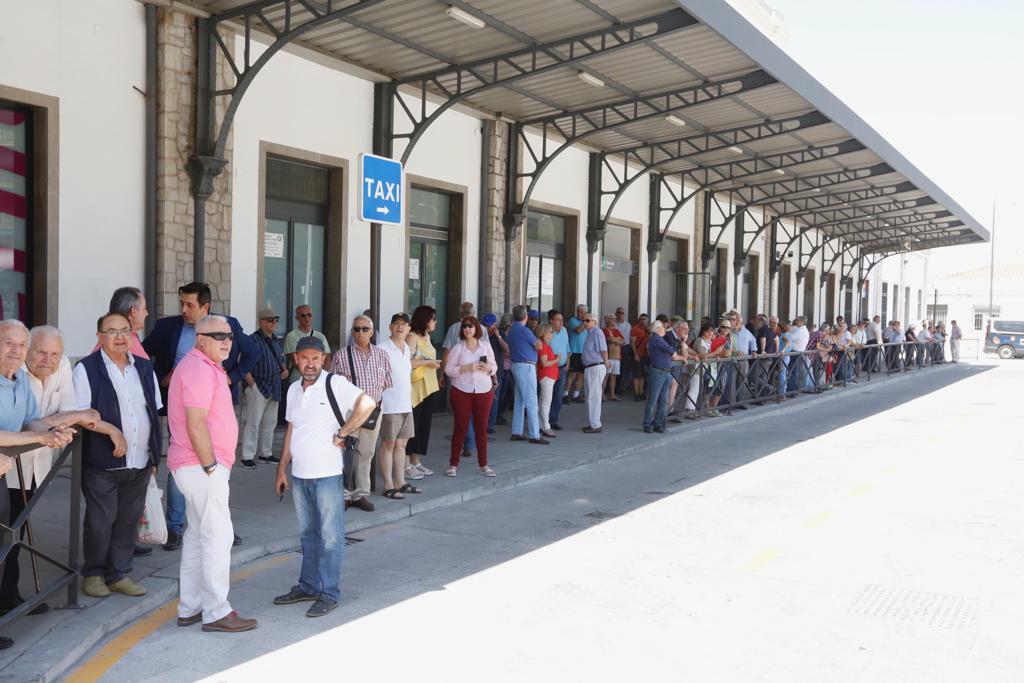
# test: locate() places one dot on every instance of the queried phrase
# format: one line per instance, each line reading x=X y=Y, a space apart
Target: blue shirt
x=521 y=344
x=593 y=344
x=560 y=345
x=576 y=340
x=18 y=405
x=659 y=351
x=747 y=342
x=267 y=373
x=186 y=342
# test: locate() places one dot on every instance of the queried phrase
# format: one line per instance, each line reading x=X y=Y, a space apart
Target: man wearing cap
x=595 y=368
x=313 y=448
x=262 y=392
x=532 y=320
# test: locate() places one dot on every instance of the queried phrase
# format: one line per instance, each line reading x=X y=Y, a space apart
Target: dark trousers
x=422 y=416
x=114 y=501
x=5 y=513
x=9 y=595
x=470 y=406
x=556 y=395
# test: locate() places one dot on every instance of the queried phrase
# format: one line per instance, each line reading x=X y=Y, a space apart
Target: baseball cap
x=490 y=319
x=267 y=312
x=400 y=316
x=535 y=314
x=310 y=342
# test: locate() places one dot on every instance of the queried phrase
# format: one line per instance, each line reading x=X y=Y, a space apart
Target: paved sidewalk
x=47 y=645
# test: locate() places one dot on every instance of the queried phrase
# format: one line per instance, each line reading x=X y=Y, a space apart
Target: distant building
x=964 y=296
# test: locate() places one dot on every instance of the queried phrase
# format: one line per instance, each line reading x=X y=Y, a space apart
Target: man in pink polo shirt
x=199 y=407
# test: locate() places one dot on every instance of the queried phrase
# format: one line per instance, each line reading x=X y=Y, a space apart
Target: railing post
x=75 y=519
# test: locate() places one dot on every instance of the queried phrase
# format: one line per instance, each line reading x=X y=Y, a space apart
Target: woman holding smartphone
x=469 y=367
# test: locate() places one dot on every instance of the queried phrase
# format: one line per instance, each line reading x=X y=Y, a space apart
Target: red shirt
x=640 y=333
x=546 y=353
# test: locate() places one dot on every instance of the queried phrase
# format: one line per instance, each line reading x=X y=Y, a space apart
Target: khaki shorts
x=395 y=426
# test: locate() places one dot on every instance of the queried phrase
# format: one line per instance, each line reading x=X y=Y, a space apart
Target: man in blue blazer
x=173 y=337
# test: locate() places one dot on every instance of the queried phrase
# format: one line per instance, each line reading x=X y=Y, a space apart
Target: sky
x=943 y=81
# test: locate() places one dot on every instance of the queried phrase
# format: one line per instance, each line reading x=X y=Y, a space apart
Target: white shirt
x=398 y=398
x=845 y=338
x=924 y=335
x=54 y=395
x=454 y=335
x=131 y=401
x=314 y=425
x=626 y=329
x=860 y=337
x=799 y=336
x=873 y=331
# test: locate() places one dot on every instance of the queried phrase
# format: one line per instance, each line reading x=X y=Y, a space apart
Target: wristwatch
x=210 y=468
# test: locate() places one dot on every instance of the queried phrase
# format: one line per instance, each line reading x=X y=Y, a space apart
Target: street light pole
x=991 y=270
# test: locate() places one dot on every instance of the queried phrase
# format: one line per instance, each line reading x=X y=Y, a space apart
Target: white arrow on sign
x=383 y=210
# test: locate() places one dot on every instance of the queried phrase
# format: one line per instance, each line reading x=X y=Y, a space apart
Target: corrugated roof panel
x=558 y=19
x=628 y=10
x=642 y=69
x=704 y=51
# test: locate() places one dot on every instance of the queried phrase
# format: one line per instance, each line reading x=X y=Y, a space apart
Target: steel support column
x=383 y=122
x=512 y=222
x=595 y=230
x=655 y=240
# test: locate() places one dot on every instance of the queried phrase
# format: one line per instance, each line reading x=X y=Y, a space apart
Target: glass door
x=294 y=256
x=428 y=280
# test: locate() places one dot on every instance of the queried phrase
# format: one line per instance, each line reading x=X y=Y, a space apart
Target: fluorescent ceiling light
x=465 y=17
x=675 y=120
x=592 y=80
x=779 y=171
x=736 y=149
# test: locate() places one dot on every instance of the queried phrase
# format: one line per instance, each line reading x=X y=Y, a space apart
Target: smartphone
x=483 y=359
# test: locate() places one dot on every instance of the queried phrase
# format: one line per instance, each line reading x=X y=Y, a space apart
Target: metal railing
x=719 y=385
x=11 y=536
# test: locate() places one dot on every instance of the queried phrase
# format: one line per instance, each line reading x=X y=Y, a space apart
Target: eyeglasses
x=303 y=315
x=273 y=319
x=218 y=336
x=364 y=328
x=123 y=332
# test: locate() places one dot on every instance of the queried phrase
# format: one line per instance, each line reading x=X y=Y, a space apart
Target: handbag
x=152 y=525
x=348 y=453
x=371 y=421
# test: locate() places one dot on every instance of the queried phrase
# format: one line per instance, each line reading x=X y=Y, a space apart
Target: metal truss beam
x=894 y=216
x=461 y=81
x=841 y=211
x=559 y=132
x=908 y=237
x=891 y=226
x=795 y=204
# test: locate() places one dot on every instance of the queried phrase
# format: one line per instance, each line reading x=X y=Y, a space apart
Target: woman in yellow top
x=425 y=364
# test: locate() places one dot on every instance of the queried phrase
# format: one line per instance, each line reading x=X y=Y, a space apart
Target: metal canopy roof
x=758 y=130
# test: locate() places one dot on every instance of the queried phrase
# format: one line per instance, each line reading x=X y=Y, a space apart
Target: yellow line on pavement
x=819 y=519
x=759 y=561
x=111 y=653
x=860 y=490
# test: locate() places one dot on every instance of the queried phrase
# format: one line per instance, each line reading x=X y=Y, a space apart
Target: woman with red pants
x=470 y=366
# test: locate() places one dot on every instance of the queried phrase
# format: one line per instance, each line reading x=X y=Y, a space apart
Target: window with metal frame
x=430 y=224
x=545 y=261
x=16 y=227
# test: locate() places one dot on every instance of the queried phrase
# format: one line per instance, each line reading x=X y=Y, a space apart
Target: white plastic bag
x=152 y=525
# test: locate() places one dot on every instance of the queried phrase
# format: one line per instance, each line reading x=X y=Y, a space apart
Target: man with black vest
x=119 y=454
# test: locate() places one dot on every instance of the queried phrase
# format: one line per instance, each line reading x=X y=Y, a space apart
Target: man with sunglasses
x=263 y=393
x=204 y=432
x=170 y=341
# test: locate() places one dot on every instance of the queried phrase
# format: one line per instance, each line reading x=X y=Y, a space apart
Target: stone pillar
x=176 y=63
x=493 y=230
x=700 y=285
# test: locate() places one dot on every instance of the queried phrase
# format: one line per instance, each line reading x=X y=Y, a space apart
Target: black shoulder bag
x=371 y=421
x=348 y=452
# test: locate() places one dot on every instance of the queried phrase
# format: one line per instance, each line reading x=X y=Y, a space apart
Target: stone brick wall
x=176 y=57
x=494 y=231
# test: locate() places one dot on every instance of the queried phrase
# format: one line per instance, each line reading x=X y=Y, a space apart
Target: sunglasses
x=364 y=328
x=305 y=315
x=273 y=318
x=218 y=336
x=469 y=326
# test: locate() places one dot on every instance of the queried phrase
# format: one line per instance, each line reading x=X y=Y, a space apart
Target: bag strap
x=352 y=366
x=334 y=401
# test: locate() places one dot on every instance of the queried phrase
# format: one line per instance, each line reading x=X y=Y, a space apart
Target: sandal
x=394 y=494
x=451 y=471
x=409 y=488
x=487 y=471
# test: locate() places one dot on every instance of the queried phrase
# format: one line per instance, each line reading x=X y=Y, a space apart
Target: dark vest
x=98 y=449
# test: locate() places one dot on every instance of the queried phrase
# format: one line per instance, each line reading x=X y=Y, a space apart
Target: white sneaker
x=424 y=470
x=412 y=473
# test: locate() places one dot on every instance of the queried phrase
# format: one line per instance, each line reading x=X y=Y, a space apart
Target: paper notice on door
x=414 y=269
x=273 y=245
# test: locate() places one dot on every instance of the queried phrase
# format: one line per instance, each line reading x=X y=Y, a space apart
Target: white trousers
x=954 y=349
x=259 y=424
x=546 y=385
x=593 y=380
x=206 y=548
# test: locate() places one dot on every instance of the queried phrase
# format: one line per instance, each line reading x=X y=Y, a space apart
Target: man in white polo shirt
x=313 y=446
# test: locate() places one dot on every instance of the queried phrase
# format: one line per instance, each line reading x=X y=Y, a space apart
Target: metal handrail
x=758 y=378
x=10 y=536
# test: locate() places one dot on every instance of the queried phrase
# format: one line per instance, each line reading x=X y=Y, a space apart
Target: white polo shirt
x=398 y=397
x=314 y=425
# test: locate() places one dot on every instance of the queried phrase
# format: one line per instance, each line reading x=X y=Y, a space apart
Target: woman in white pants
x=547 y=375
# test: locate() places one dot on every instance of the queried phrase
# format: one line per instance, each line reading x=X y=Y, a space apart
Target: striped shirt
x=372 y=369
x=269 y=363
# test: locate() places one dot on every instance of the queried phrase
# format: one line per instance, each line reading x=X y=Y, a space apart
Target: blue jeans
x=658 y=382
x=320 y=507
x=525 y=375
x=175 y=507
x=556 y=395
x=499 y=394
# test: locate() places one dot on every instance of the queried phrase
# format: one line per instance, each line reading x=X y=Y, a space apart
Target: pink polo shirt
x=198 y=382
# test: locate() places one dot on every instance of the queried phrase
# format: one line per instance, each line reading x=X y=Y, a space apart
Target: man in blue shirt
x=661 y=354
x=20 y=424
x=595 y=367
x=263 y=394
x=171 y=339
x=522 y=346
x=560 y=345
x=577 y=335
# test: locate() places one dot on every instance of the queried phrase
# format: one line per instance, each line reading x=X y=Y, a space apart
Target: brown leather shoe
x=188 y=621
x=593 y=430
x=517 y=437
x=540 y=442
x=363 y=504
x=232 y=623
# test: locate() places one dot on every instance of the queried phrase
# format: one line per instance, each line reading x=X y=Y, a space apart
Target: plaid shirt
x=267 y=371
x=373 y=369
x=813 y=341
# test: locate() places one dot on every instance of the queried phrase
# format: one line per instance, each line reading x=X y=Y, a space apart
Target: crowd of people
x=214 y=390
